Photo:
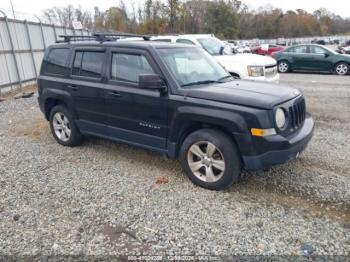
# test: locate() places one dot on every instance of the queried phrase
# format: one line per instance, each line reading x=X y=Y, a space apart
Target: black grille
x=297 y=113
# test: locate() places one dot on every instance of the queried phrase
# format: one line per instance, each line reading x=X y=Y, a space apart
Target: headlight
x=280 y=118
x=256 y=71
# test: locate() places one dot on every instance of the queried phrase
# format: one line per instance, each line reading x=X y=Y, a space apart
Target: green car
x=312 y=58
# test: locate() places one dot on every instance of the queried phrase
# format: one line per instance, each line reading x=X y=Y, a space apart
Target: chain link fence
x=22 y=46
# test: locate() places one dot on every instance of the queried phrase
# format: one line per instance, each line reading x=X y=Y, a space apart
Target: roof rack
x=70 y=38
x=100 y=37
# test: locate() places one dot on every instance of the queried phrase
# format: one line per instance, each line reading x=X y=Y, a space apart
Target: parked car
x=243 y=66
x=268 y=49
x=318 y=42
x=343 y=50
x=312 y=58
x=173 y=99
x=281 y=42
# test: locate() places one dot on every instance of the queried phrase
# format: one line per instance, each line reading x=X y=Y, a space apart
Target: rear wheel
x=341 y=69
x=210 y=159
x=63 y=127
x=283 y=66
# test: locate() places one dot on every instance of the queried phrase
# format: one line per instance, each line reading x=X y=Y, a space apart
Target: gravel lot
x=107 y=198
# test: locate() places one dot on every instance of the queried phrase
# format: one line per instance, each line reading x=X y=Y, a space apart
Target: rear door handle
x=73 y=87
x=114 y=93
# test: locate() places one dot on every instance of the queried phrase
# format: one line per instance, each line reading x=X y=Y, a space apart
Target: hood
x=245 y=59
x=246 y=93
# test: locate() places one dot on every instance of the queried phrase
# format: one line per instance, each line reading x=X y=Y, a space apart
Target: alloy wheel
x=341 y=69
x=283 y=67
x=206 y=161
x=61 y=126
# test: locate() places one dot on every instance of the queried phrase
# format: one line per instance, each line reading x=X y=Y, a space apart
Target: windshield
x=193 y=66
x=214 y=46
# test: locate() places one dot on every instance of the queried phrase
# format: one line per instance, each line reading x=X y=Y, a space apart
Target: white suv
x=244 y=66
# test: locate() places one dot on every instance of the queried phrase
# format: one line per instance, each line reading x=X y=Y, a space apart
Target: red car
x=268 y=49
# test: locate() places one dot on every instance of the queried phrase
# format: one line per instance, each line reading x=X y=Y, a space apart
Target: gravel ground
x=105 y=198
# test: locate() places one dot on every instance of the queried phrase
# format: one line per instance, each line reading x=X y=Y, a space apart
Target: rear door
x=86 y=84
x=135 y=115
x=301 y=59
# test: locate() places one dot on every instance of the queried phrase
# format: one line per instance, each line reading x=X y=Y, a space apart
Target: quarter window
x=128 y=67
x=56 y=62
x=88 y=63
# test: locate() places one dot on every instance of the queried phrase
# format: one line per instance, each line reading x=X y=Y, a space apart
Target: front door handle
x=73 y=87
x=114 y=93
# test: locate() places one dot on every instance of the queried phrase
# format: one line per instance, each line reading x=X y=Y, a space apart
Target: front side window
x=56 y=62
x=88 y=64
x=128 y=67
x=214 y=46
x=317 y=50
x=193 y=66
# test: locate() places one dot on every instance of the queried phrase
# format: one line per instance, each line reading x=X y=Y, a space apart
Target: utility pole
x=13 y=10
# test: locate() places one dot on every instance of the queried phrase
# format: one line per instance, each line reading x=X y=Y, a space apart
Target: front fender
x=231 y=121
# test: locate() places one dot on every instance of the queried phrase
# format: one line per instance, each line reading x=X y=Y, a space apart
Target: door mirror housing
x=151 y=82
x=326 y=55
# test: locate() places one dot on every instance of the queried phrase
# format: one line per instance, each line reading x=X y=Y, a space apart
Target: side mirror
x=151 y=82
x=222 y=48
x=326 y=55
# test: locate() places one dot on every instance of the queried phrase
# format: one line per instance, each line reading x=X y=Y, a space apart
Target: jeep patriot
x=174 y=99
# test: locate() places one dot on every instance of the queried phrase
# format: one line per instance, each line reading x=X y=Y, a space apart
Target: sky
x=340 y=7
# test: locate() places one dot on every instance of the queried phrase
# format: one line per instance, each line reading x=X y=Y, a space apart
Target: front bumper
x=274 y=79
x=279 y=150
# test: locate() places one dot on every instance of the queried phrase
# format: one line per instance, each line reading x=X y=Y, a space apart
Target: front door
x=135 y=115
x=322 y=60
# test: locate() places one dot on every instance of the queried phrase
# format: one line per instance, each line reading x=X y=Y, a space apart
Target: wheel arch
x=50 y=103
x=53 y=97
x=187 y=124
x=339 y=62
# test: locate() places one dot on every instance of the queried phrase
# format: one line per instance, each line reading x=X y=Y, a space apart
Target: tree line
x=230 y=19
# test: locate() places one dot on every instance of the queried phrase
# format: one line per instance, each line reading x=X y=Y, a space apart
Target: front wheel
x=210 y=159
x=283 y=67
x=342 y=69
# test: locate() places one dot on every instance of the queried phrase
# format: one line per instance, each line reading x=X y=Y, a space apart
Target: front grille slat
x=297 y=113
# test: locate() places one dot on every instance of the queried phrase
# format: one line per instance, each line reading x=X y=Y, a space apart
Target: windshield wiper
x=220 y=80
x=205 y=82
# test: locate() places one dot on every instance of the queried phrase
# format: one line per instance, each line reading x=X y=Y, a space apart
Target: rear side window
x=184 y=41
x=128 y=67
x=298 y=50
x=56 y=62
x=88 y=63
x=162 y=40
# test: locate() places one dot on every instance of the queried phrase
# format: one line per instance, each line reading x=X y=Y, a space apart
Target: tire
x=283 y=66
x=216 y=170
x=63 y=127
x=341 y=69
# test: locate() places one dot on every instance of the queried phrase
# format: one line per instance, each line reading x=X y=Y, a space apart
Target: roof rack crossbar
x=100 y=37
x=69 y=38
x=119 y=35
